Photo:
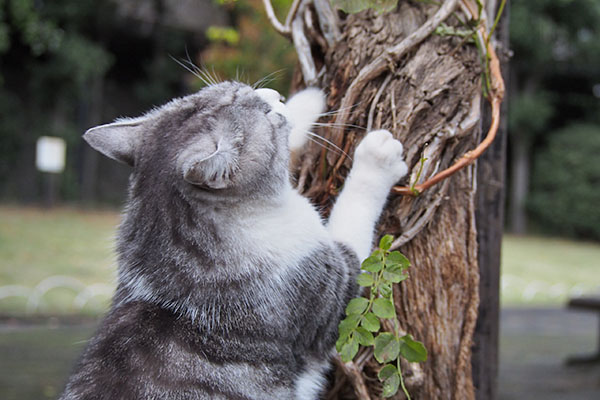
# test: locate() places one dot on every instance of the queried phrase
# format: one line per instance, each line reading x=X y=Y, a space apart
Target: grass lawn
x=65 y=258
x=36 y=244
x=546 y=272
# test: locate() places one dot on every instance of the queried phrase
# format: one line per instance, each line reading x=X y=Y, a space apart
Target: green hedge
x=565 y=195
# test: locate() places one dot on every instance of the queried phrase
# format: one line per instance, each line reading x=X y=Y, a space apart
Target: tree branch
x=328 y=21
x=302 y=45
x=376 y=100
x=355 y=376
x=377 y=66
x=284 y=30
x=292 y=13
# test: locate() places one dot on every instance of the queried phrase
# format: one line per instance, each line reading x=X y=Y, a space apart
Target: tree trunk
x=429 y=97
x=491 y=171
x=520 y=162
x=519 y=182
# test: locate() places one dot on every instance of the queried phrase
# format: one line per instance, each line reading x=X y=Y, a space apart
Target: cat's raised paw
x=379 y=150
x=303 y=109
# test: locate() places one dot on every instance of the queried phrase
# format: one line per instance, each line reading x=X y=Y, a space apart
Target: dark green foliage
x=67 y=65
x=523 y=106
x=553 y=84
x=547 y=34
x=566 y=183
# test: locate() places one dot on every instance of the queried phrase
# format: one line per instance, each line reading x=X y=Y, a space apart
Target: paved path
x=534 y=345
x=36 y=357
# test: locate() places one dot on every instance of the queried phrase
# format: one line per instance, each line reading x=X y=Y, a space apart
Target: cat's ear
x=211 y=165
x=118 y=140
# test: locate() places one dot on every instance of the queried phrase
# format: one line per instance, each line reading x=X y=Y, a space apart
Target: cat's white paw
x=303 y=109
x=381 y=153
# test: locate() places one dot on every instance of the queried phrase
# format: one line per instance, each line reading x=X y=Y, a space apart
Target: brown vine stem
x=467 y=159
x=495 y=97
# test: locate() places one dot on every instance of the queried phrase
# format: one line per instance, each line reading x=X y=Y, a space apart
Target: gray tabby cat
x=230 y=285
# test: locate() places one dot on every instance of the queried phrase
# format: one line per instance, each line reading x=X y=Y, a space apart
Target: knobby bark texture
x=429 y=97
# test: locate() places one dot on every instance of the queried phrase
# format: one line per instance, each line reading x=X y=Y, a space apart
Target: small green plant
x=414 y=184
x=364 y=318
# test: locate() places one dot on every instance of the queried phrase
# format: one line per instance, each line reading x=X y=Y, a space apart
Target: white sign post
x=50 y=158
x=50 y=154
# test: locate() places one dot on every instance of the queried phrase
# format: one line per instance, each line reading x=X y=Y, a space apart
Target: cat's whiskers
x=312 y=135
x=206 y=77
x=262 y=82
x=215 y=76
x=328 y=124
x=339 y=110
x=193 y=71
x=209 y=79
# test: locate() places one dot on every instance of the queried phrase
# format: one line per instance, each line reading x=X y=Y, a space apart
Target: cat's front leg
x=378 y=165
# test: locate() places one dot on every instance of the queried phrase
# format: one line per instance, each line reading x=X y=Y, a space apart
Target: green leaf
x=365 y=337
x=370 y=322
x=349 y=349
x=385 y=289
x=365 y=279
x=395 y=258
x=386 y=347
x=348 y=325
x=390 y=386
x=387 y=371
x=357 y=306
x=391 y=380
x=372 y=264
x=394 y=275
x=345 y=329
x=378 y=253
x=384 y=308
x=340 y=342
x=386 y=242
x=412 y=350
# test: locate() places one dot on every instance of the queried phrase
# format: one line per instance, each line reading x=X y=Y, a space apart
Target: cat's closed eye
x=265 y=108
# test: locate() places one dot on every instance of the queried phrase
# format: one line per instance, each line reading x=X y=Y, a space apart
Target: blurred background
x=68 y=65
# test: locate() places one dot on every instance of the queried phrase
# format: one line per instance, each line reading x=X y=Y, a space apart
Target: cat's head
x=227 y=139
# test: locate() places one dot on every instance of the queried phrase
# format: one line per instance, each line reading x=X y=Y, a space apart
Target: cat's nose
x=273 y=98
x=269 y=95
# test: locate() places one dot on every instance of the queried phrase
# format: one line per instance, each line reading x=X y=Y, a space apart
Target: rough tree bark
x=389 y=71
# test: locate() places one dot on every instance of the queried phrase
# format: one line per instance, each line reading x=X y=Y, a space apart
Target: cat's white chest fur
x=285 y=232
